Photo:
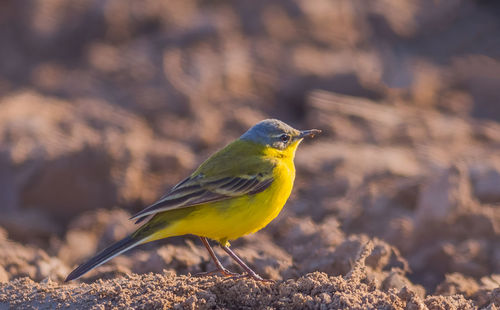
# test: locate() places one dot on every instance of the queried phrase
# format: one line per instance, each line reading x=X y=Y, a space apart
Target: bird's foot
x=253 y=276
x=223 y=272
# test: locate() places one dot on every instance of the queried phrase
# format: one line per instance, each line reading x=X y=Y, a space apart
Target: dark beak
x=309 y=133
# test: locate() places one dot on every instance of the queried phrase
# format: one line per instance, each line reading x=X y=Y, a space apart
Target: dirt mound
x=316 y=290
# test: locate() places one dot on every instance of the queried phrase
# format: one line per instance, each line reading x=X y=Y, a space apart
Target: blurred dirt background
x=106 y=104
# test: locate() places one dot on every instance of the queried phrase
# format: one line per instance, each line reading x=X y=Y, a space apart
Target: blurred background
x=106 y=104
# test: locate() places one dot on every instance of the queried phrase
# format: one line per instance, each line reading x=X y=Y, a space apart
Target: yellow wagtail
x=235 y=192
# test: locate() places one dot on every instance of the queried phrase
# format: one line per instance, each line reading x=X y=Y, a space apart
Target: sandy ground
x=104 y=106
x=168 y=291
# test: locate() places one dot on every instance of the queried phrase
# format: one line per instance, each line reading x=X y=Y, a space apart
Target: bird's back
x=239 y=157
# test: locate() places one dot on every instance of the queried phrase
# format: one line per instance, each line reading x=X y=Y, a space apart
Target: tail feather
x=105 y=255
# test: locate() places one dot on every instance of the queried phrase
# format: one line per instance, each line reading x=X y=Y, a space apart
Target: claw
x=223 y=272
x=254 y=276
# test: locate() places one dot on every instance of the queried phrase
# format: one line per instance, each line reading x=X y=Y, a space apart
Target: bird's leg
x=250 y=272
x=220 y=269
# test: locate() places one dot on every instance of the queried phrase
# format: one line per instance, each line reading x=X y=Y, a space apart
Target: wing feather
x=198 y=190
x=261 y=187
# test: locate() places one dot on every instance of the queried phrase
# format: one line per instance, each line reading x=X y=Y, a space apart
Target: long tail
x=106 y=254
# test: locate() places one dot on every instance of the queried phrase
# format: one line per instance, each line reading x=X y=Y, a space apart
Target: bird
x=235 y=192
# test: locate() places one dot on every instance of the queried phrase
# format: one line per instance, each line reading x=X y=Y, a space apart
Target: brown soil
x=167 y=290
x=104 y=105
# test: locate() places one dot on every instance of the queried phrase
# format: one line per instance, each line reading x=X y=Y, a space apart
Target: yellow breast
x=233 y=218
x=253 y=213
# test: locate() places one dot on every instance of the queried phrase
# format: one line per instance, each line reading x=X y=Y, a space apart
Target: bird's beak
x=309 y=133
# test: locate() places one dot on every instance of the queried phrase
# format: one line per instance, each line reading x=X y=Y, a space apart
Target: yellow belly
x=232 y=218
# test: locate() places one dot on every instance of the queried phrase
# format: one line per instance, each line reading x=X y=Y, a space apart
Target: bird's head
x=277 y=135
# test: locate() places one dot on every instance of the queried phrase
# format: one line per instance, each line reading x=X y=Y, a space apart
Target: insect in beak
x=309 y=133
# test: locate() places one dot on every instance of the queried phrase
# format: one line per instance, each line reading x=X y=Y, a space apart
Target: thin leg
x=220 y=269
x=212 y=253
x=249 y=271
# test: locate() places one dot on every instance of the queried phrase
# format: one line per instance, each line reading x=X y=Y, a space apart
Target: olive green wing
x=199 y=189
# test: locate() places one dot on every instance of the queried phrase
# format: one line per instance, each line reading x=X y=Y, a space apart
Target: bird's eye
x=285 y=138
